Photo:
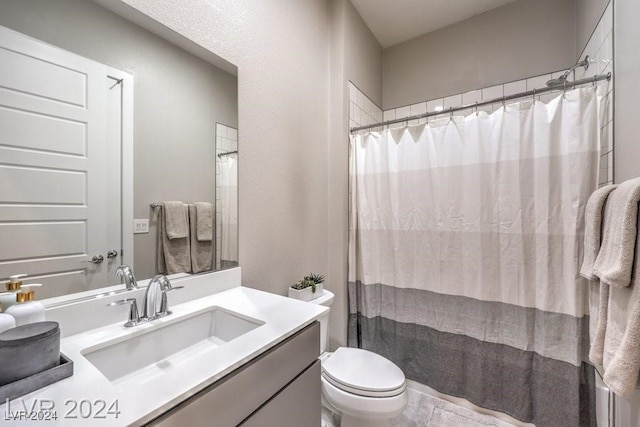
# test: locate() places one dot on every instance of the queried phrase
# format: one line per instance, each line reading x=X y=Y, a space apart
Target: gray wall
x=178 y=100
x=588 y=13
x=356 y=56
x=281 y=49
x=515 y=41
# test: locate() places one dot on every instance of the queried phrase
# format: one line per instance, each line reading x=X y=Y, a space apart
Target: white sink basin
x=143 y=356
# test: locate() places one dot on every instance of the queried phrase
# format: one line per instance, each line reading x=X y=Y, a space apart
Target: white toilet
x=364 y=388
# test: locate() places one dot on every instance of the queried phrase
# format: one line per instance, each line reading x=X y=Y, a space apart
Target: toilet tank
x=326 y=299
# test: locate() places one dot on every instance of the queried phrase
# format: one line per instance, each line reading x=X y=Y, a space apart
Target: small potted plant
x=308 y=288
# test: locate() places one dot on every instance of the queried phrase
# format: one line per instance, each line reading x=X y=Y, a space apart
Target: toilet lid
x=364 y=373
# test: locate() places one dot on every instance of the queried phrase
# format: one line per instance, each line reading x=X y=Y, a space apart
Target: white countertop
x=83 y=394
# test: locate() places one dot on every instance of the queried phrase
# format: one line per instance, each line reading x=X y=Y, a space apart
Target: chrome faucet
x=126 y=276
x=150 y=311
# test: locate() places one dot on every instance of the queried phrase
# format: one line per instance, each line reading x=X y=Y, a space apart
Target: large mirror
x=167 y=119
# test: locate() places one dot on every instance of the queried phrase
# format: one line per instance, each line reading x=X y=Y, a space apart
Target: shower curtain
x=229 y=209
x=465 y=242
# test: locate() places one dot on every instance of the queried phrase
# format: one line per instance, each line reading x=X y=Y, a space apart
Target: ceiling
x=396 y=21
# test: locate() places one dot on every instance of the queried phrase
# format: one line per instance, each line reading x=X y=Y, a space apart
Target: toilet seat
x=363 y=373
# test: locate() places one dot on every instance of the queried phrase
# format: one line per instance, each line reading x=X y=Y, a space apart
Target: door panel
x=53 y=164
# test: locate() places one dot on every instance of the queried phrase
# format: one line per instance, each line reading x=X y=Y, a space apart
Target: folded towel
x=201 y=250
x=173 y=255
x=598 y=292
x=593 y=216
x=621 y=355
x=615 y=260
x=175 y=220
x=621 y=359
x=204 y=221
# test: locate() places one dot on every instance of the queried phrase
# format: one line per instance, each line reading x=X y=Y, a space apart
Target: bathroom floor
x=425 y=410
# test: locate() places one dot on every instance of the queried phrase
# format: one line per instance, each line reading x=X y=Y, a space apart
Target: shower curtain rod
x=534 y=92
x=228 y=153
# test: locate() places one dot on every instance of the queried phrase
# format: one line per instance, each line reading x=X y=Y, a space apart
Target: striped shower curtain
x=465 y=245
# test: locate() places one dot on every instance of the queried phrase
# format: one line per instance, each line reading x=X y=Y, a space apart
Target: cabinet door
x=240 y=394
x=297 y=404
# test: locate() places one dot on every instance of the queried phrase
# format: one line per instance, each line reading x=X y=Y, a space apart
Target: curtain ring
x=476 y=108
x=534 y=95
x=504 y=103
x=450 y=113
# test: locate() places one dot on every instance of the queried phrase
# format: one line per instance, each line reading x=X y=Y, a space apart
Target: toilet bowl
x=362 y=387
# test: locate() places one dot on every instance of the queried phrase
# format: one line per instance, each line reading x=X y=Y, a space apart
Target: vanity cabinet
x=279 y=387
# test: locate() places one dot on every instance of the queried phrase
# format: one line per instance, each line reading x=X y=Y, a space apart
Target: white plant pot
x=306 y=294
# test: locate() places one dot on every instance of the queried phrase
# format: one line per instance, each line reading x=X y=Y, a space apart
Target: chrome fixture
x=112 y=254
x=134 y=317
x=502 y=99
x=159 y=284
x=562 y=80
x=96 y=259
x=125 y=273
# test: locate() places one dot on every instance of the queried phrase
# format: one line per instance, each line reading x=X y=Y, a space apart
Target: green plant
x=315 y=278
x=311 y=280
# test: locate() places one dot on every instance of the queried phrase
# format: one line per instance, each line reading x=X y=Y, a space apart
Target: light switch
x=140 y=226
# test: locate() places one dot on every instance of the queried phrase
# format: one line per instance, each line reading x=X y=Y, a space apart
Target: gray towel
x=598 y=312
x=174 y=255
x=615 y=260
x=175 y=220
x=593 y=216
x=204 y=221
x=598 y=292
x=621 y=358
x=201 y=251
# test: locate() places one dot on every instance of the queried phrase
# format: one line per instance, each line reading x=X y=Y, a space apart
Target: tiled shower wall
x=226 y=140
x=600 y=50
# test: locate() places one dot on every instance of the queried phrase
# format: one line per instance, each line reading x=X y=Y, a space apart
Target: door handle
x=97 y=259
x=112 y=254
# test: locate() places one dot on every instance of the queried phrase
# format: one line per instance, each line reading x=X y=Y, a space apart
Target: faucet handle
x=134 y=317
x=164 y=303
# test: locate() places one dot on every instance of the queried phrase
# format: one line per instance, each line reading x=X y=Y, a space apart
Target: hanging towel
x=598 y=312
x=621 y=358
x=175 y=220
x=615 y=260
x=593 y=216
x=598 y=292
x=173 y=255
x=204 y=221
x=201 y=250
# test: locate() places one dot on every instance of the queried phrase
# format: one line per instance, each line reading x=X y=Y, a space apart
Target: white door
x=53 y=166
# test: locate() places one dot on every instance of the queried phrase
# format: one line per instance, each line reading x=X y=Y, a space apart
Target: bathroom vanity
x=227 y=355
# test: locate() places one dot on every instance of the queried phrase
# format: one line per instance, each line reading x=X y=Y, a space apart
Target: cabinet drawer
x=299 y=402
x=232 y=399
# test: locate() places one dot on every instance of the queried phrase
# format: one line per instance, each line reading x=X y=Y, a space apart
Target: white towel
x=598 y=319
x=615 y=260
x=621 y=354
x=173 y=255
x=598 y=292
x=621 y=358
x=175 y=220
x=201 y=251
x=593 y=216
x=204 y=221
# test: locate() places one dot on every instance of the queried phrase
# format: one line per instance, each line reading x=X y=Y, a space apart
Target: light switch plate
x=140 y=226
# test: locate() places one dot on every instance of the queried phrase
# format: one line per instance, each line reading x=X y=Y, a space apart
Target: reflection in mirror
x=226 y=197
x=156 y=109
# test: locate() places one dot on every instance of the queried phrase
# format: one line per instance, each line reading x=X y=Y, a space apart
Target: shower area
x=226 y=197
x=466 y=222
